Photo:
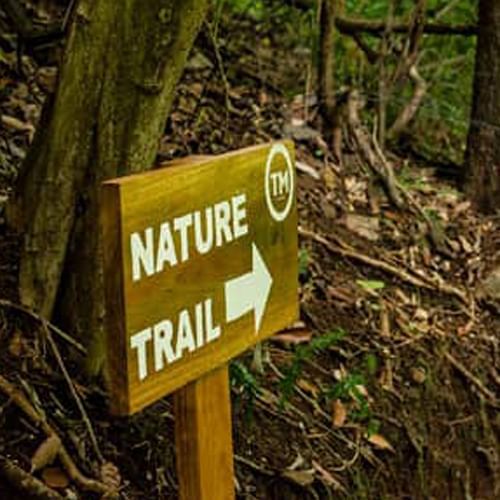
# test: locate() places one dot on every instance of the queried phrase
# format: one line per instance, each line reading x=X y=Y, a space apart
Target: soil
x=383 y=389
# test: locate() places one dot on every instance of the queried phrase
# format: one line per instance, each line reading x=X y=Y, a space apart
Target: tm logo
x=279 y=184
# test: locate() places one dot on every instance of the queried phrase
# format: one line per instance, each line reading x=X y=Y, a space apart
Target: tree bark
x=482 y=171
x=326 y=93
x=326 y=75
x=116 y=85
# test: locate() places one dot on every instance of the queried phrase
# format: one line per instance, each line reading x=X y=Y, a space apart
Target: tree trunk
x=482 y=170
x=326 y=68
x=116 y=85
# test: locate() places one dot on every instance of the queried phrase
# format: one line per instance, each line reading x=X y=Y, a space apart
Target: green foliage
x=246 y=384
x=371 y=364
x=348 y=389
x=445 y=62
x=304 y=260
x=371 y=284
x=303 y=353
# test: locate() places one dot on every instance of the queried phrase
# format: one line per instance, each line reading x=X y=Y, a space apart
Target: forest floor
x=388 y=387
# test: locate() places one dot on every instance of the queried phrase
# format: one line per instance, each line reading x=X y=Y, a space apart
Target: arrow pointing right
x=249 y=291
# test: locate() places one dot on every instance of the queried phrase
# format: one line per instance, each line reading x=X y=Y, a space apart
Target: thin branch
x=446 y=9
x=491 y=398
x=347 y=26
x=75 y=395
x=7 y=304
x=409 y=111
x=74 y=473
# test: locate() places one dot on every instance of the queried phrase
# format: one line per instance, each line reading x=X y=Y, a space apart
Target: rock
x=489 y=287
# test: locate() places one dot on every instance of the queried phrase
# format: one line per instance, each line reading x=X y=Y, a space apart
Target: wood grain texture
x=115 y=307
x=204 y=449
x=150 y=199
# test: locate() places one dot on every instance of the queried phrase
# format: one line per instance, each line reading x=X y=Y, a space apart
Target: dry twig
x=74 y=393
x=421 y=281
x=74 y=473
x=25 y=483
x=490 y=397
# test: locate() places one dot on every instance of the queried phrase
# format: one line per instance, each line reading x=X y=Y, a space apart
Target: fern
x=247 y=384
x=303 y=353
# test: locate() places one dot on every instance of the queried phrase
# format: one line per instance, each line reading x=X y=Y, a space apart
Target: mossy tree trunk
x=116 y=85
x=483 y=145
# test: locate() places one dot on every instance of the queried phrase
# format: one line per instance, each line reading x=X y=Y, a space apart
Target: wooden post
x=204 y=439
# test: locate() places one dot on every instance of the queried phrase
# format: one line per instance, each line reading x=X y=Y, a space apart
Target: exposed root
x=25 y=483
x=69 y=465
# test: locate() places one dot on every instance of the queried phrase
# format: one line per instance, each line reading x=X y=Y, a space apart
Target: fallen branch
x=69 y=465
x=490 y=396
x=420 y=282
x=25 y=483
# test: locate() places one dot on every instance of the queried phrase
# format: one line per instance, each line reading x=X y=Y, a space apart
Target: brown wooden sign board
x=200 y=264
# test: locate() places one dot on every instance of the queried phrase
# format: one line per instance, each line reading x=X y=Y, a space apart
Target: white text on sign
x=169 y=244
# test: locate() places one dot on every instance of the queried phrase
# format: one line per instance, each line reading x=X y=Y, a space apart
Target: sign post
x=200 y=263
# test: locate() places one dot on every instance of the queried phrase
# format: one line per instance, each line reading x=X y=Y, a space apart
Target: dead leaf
x=46 y=453
x=15 y=123
x=362 y=390
x=307 y=169
x=461 y=207
x=366 y=227
x=293 y=337
x=468 y=248
x=418 y=375
x=303 y=478
x=54 y=477
x=298 y=462
x=380 y=442
x=421 y=315
x=339 y=413
x=308 y=387
x=329 y=178
x=17 y=345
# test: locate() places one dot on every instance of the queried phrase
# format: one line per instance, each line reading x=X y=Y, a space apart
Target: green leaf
x=371 y=284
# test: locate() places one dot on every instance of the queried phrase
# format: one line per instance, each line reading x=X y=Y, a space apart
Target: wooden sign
x=200 y=264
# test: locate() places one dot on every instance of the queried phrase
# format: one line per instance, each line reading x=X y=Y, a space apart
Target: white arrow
x=249 y=291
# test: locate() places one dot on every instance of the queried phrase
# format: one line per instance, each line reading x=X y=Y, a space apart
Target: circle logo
x=279 y=182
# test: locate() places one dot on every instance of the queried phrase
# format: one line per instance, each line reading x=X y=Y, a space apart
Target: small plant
x=351 y=388
x=348 y=389
x=304 y=259
x=302 y=353
x=246 y=384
